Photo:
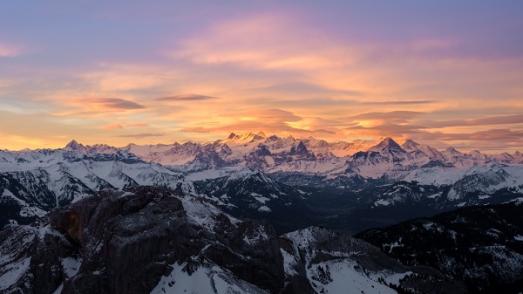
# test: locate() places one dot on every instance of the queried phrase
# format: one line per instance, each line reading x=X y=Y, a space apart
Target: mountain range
x=260 y=214
x=324 y=183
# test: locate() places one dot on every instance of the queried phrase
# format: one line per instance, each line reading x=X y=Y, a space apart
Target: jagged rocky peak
x=452 y=150
x=74 y=146
x=262 y=150
x=452 y=153
x=410 y=145
x=318 y=142
x=246 y=138
x=233 y=136
x=97 y=148
x=132 y=145
x=273 y=138
x=191 y=144
x=251 y=175
x=255 y=136
x=387 y=144
x=476 y=154
x=299 y=149
x=506 y=155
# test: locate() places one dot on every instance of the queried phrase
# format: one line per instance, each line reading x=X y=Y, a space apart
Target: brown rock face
x=127 y=243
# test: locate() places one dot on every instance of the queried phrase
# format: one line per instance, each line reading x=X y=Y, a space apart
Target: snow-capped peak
x=387 y=144
x=252 y=137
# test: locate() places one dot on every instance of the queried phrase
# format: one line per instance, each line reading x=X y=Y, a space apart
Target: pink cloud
x=264 y=41
x=8 y=50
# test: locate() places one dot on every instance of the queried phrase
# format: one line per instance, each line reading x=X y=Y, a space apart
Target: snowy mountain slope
x=413 y=162
x=32 y=182
x=204 y=279
x=353 y=204
x=254 y=195
x=249 y=150
x=334 y=262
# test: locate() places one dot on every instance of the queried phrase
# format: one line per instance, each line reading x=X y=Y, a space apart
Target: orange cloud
x=112 y=127
x=121 y=126
x=118 y=78
x=269 y=120
x=97 y=107
x=186 y=97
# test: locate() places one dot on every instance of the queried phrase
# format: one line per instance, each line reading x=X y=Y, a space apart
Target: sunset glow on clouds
x=115 y=73
x=8 y=50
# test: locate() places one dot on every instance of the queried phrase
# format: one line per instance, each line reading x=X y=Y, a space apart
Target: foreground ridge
x=156 y=240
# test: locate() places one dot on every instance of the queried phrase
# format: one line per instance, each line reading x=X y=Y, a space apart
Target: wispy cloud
x=329 y=102
x=142 y=135
x=387 y=117
x=186 y=97
x=483 y=121
x=269 y=120
x=467 y=133
x=115 y=103
x=96 y=107
x=399 y=102
x=123 y=125
x=499 y=135
x=264 y=41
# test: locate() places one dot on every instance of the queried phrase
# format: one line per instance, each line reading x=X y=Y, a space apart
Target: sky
x=439 y=72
